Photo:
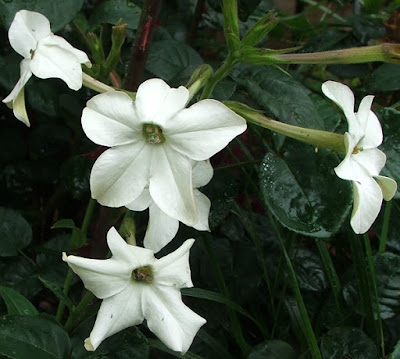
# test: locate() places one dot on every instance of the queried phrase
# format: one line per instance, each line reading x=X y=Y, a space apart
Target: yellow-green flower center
x=153 y=134
x=143 y=275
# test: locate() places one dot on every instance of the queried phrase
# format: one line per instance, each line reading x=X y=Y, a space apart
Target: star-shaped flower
x=45 y=55
x=163 y=228
x=154 y=140
x=134 y=286
x=363 y=161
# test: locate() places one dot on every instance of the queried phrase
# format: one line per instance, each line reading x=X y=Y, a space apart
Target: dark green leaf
x=64 y=223
x=170 y=58
x=16 y=303
x=302 y=190
x=273 y=349
x=110 y=11
x=33 y=337
x=346 y=342
x=384 y=78
x=76 y=172
x=59 y=12
x=58 y=293
x=15 y=232
x=396 y=352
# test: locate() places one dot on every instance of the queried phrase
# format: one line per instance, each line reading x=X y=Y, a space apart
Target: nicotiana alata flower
x=153 y=140
x=134 y=286
x=363 y=161
x=45 y=55
x=163 y=228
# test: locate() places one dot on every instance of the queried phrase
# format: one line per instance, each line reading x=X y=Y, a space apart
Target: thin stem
x=80 y=308
x=95 y=85
x=385 y=227
x=371 y=266
x=88 y=216
x=67 y=284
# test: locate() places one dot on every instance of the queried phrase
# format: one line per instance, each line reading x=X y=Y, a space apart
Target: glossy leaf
x=57 y=291
x=16 y=303
x=384 y=79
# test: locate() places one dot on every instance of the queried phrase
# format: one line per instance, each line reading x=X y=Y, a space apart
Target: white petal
x=156 y=102
x=367 y=204
x=160 y=230
x=172 y=321
x=372 y=160
x=142 y=202
x=19 y=108
x=81 y=57
x=120 y=174
x=344 y=98
x=203 y=206
x=388 y=187
x=110 y=119
x=173 y=269
x=116 y=313
x=51 y=60
x=25 y=75
x=171 y=184
x=203 y=129
x=373 y=133
x=26 y=30
x=202 y=173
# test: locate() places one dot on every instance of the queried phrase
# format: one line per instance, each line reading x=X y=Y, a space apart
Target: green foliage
x=272 y=349
x=16 y=303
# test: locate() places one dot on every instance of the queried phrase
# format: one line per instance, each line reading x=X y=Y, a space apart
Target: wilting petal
x=203 y=206
x=53 y=61
x=116 y=313
x=25 y=75
x=120 y=174
x=161 y=229
x=142 y=202
x=110 y=119
x=367 y=204
x=167 y=317
x=203 y=129
x=202 y=173
x=26 y=30
x=388 y=187
x=156 y=102
x=171 y=184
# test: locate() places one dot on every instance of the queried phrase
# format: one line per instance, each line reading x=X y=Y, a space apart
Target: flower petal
x=142 y=202
x=110 y=119
x=372 y=128
x=203 y=205
x=171 y=184
x=367 y=204
x=116 y=313
x=160 y=230
x=25 y=75
x=167 y=317
x=372 y=160
x=51 y=60
x=81 y=56
x=344 y=98
x=156 y=102
x=173 y=269
x=26 y=30
x=388 y=187
x=202 y=173
x=203 y=129
x=120 y=174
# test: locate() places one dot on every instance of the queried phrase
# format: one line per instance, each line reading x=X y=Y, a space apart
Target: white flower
x=135 y=286
x=45 y=55
x=154 y=140
x=363 y=161
x=162 y=228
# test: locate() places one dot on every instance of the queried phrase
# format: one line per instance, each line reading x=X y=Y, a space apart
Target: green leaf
x=33 y=337
x=59 y=12
x=302 y=191
x=64 y=223
x=15 y=232
x=169 y=59
x=110 y=11
x=16 y=303
x=272 y=349
x=384 y=78
x=75 y=173
x=396 y=352
x=347 y=342
x=58 y=293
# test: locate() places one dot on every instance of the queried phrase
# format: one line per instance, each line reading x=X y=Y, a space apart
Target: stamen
x=142 y=275
x=153 y=134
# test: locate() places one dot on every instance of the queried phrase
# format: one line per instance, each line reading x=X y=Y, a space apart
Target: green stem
x=371 y=266
x=95 y=85
x=219 y=277
x=88 y=216
x=67 y=284
x=81 y=307
x=385 y=227
x=306 y=324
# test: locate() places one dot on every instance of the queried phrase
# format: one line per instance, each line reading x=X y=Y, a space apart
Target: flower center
x=142 y=274
x=32 y=52
x=356 y=150
x=153 y=134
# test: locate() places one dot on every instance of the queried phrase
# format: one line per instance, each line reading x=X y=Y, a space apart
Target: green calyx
x=153 y=134
x=143 y=275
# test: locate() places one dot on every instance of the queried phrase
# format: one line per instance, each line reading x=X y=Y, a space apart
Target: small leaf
x=27 y=337
x=64 y=223
x=273 y=349
x=16 y=303
x=58 y=293
x=15 y=232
